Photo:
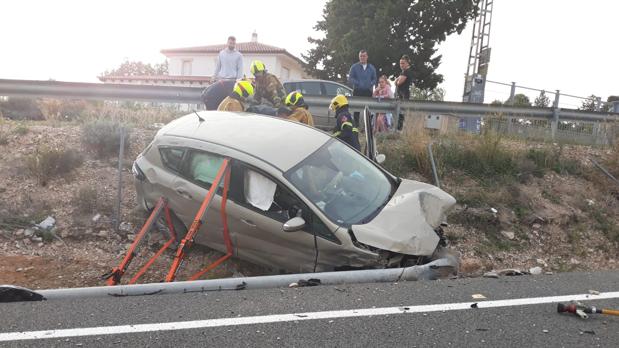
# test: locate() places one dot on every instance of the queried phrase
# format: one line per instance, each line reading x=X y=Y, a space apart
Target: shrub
x=21 y=129
x=4 y=138
x=21 y=109
x=103 y=137
x=66 y=110
x=552 y=159
x=47 y=163
x=85 y=199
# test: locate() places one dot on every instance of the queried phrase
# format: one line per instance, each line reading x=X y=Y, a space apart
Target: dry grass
x=46 y=163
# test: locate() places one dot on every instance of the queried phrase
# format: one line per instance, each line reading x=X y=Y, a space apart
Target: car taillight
x=137 y=172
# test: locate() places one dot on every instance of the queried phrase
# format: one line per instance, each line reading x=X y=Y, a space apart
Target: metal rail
x=191 y=95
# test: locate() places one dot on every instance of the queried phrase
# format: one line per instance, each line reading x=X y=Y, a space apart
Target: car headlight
x=137 y=172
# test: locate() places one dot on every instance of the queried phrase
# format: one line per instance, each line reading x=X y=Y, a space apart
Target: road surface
x=516 y=312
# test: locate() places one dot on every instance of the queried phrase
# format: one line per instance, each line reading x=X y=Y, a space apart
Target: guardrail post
x=555 y=103
x=512 y=94
x=555 y=123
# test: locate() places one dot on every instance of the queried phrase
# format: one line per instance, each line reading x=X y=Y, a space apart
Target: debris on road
x=478 y=296
x=594 y=292
x=491 y=274
x=535 y=270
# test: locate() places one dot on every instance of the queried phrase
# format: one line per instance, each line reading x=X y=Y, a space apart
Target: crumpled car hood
x=406 y=224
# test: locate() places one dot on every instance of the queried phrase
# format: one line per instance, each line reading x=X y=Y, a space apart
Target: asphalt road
x=319 y=316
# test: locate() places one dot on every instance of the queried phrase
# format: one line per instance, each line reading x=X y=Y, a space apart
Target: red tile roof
x=243 y=47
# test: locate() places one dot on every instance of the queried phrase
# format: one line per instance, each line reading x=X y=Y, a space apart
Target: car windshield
x=346 y=186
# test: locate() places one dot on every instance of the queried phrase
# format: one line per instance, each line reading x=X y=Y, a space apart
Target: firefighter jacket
x=269 y=91
x=230 y=103
x=302 y=115
x=345 y=128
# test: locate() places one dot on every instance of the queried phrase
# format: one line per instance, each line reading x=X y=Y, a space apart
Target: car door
x=261 y=207
x=190 y=187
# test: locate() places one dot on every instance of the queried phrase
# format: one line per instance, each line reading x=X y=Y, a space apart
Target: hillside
x=559 y=220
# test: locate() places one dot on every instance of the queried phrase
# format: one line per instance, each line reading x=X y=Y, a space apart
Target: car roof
x=314 y=80
x=277 y=141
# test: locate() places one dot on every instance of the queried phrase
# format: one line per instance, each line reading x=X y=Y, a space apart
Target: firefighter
x=269 y=90
x=300 y=113
x=236 y=100
x=345 y=127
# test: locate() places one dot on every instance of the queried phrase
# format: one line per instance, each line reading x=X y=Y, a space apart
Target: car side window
x=333 y=89
x=202 y=167
x=310 y=88
x=266 y=197
x=290 y=86
x=172 y=157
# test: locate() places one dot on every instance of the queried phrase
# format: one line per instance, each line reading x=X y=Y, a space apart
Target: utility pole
x=479 y=55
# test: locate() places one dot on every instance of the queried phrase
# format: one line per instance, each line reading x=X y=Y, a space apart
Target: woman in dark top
x=403 y=84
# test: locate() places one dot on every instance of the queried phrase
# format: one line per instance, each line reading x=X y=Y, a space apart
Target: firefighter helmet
x=243 y=89
x=257 y=67
x=337 y=102
x=294 y=99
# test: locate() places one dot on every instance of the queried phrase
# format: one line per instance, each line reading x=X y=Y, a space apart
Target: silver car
x=299 y=199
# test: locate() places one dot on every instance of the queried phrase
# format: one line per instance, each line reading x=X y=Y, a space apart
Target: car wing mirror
x=295 y=224
x=380 y=158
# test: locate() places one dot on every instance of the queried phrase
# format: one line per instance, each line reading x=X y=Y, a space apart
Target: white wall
x=204 y=64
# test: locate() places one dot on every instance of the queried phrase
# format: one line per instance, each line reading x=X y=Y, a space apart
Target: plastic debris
x=491 y=274
x=594 y=292
x=47 y=224
x=535 y=270
x=478 y=296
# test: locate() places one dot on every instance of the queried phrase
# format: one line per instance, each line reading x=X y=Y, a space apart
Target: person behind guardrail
x=345 y=126
x=403 y=85
x=213 y=95
x=237 y=100
x=300 y=112
x=229 y=62
x=269 y=90
x=362 y=78
x=382 y=91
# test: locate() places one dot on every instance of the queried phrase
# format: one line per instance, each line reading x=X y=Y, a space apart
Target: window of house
x=172 y=157
x=186 y=67
x=285 y=73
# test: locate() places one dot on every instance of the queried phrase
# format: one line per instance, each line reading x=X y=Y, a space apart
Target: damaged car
x=299 y=200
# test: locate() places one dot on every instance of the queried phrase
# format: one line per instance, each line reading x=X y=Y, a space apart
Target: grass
x=21 y=129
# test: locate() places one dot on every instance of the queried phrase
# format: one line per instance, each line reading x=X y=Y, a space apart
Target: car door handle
x=248 y=222
x=183 y=193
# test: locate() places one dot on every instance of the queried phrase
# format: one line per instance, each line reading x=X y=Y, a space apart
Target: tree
x=387 y=30
x=589 y=104
x=521 y=100
x=437 y=94
x=542 y=101
x=130 y=68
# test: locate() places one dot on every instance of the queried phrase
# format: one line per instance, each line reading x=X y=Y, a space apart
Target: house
x=194 y=66
x=201 y=61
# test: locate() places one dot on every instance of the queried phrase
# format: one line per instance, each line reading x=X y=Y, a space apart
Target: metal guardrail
x=528 y=122
x=191 y=95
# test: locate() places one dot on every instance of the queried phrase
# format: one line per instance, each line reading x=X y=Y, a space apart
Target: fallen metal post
x=440 y=268
x=608 y=174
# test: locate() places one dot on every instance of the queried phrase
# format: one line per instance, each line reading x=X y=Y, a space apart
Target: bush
x=47 y=163
x=21 y=129
x=66 y=110
x=103 y=137
x=21 y=109
x=85 y=199
x=4 y=138
x=552 y=159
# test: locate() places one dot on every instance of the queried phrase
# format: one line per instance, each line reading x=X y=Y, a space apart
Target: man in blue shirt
x=230 y=62
x=362 y=78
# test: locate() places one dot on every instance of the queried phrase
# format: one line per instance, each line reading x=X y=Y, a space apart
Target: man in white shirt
x=230 y=62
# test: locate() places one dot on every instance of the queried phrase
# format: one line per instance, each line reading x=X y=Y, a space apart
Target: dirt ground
x=564 y=229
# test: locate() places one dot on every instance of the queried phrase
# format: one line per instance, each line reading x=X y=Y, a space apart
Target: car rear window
x=309 y=88
x=172 y=157
x=333 y=89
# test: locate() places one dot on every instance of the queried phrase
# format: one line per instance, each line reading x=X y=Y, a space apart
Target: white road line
x=279 y=318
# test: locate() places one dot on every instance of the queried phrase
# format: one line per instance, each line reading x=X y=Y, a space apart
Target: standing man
x=362 y=78
x=403 y=85
x=230 y=62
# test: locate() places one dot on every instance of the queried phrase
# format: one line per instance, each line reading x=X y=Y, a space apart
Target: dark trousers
x=360 y=93
x=401 y=116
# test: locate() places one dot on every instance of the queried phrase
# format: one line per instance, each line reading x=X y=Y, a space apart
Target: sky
x=544 y=44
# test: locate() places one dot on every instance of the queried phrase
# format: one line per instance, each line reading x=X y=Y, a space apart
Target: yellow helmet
x=257 y=67
x=294 y=99
x=243 y=89
x=337 y=102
